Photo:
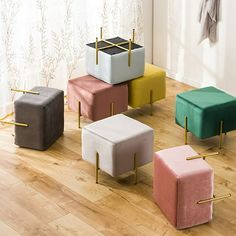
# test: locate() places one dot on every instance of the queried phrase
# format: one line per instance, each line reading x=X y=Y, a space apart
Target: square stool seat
x=44 y=115
x=96 y=97
x=117 y=140
x=148 y=88
x=113 y=65
x=205 y=109
x=179 y=185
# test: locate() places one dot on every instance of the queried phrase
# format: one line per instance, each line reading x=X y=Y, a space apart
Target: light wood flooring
x=54 y=192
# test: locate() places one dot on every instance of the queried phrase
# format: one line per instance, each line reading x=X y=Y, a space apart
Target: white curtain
x=42 y=42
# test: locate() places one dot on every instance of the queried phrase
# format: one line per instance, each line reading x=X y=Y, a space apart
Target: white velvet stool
x=117 y=144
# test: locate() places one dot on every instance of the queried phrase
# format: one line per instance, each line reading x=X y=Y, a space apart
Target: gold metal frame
x=135 y=169
x=151 y=102
x=133 y=36
x=213 y=199
x=118 y=45
x=204 y=156
x=221 y=134
x=14 y=123
x=79 y=113
x=185 y=130
x=25 y=91
x=97 y=167
x=112 y=109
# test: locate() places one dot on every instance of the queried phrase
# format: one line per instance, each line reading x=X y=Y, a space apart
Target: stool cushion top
x=45 y=96
x=175 y=159
x=114 y=50
x=207 y=97
x=118 y=128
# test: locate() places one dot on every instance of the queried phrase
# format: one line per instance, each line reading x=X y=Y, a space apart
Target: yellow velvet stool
x=149 y=88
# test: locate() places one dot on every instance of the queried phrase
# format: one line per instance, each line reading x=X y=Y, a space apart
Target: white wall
x=176 y=48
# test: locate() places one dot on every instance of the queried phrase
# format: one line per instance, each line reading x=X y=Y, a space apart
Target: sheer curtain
x=42 y=42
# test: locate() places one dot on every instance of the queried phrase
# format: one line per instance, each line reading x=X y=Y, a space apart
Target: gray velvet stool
x=43 y=113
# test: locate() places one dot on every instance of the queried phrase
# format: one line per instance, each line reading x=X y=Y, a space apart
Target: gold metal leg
x=13 y=123
x=112 y=109
x=97 y=167
x=204 y=156
x=213 y=199
x=133 y=35
x=185 y=130
x=101 y=33
x=135 y=169
x=129 y=53
x=221 y=134
x=79 y=113
x=151 y=99
x=25 y=91
x=96 y=45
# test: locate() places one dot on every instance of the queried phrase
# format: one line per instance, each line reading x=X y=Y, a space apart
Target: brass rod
x=79 y=113
x=14 y=123
x=133 y=35
x=151 y=99
x=213 y=199
x=112 y=109
x=202 y=156
x=116 y=45
x=221 y=134
x=97 y=167
x=135 y=169
x=25 y=91
x=185 y=130
x=96 y=45
x=129 y=54
x=7 y=115
x=113 y=45
x=101 y=33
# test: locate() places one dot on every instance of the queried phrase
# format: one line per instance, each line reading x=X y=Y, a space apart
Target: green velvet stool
x=206 y=112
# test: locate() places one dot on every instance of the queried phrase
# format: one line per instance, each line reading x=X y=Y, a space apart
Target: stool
x=206 y=112
x=183 y=186
x=180 y=184
x=39 y=118
x=115 y=60
x=95 y=99
x=117 y=144
x=149 y=88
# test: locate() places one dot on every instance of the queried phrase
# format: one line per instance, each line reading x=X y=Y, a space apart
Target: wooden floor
x=54 y=192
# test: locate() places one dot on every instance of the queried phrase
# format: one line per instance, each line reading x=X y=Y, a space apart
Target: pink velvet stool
x=179 y=185
x=95 y=99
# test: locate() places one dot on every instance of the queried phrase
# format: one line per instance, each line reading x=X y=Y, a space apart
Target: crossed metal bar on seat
x=118 y=45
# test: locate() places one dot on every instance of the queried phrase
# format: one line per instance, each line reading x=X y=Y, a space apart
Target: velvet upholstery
x=117 y=139
x=205 y=108
x=112 y=64
x=139 y=89
x=44 y=113
x=179 y=184
x=96 y=97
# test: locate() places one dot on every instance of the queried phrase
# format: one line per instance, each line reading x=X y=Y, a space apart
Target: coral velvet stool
x=206 y=112
x=117 y=144
x=95 y=99
x=43 y=114
x=148 y=88
x=180 y=184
